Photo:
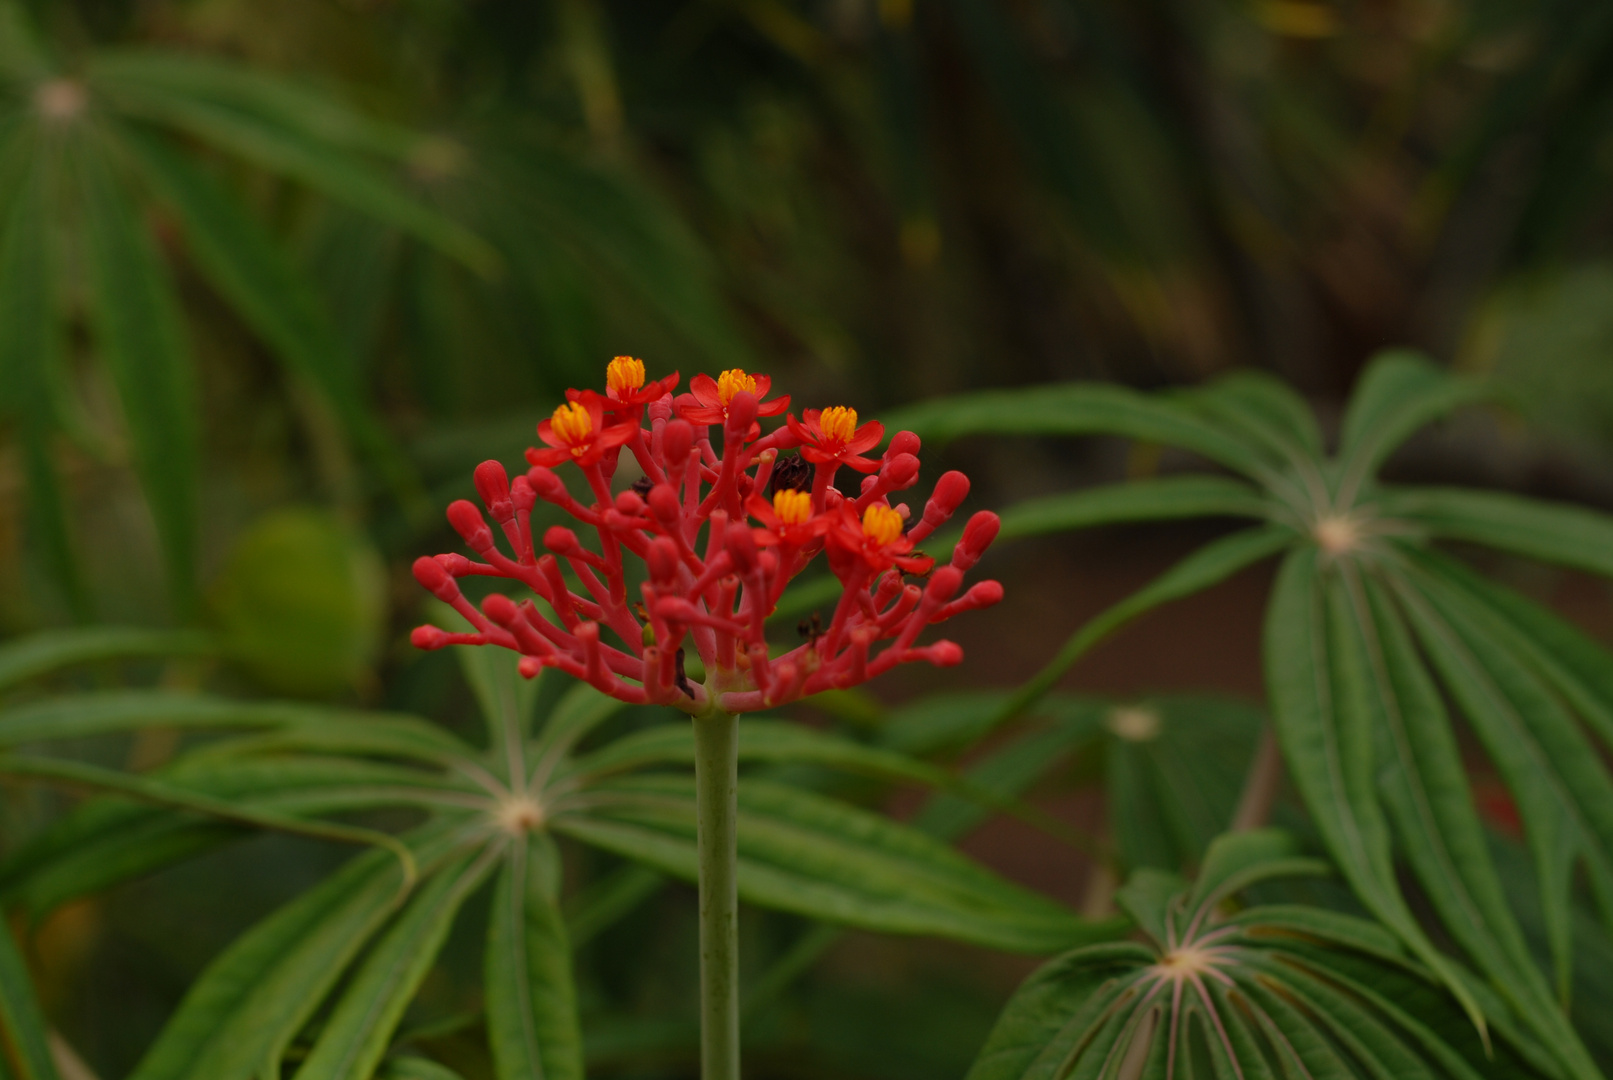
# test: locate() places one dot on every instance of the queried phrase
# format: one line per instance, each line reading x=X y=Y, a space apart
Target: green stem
x=716 y=774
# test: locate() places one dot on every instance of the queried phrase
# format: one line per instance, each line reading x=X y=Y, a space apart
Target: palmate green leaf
x=141 y=336
x=240 y=1015
x=574 y=716
x=23 y=57
x=24 y=1047
x=1264 y=409
x=52 y=650
x=250 y=271
x=532 y=1023
x=1271 y=992
x=138 y=86
x=355 y=1038
x=813 y=856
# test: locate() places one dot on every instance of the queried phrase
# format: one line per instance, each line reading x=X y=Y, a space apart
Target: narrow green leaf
x=314 y=727
x=1551 y=532
x=814 y=856
x=1322 y=723
x=1052 y=1017
x=95 y=778
x=138 y=90
x=1161 y=499
x=23 y=57
x=1578 y=667
x=1398 y=393
x=532 y=1022
x=1008 y=772
x=1077 y=409
x=573 y=717
x=43 y=653
x=250 y=271
x=1424 y=787
x=605 y=902
x=1264 y=409
x=415 y=1068
x=355 y=1038
x=505 y=698
x=23 y=1041
x=141 y=336
x=1237 y=860
x=1210 y=565
x=249 y=1003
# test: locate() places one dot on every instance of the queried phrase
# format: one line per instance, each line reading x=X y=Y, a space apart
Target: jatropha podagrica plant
x=721 y=525
x=713 y=593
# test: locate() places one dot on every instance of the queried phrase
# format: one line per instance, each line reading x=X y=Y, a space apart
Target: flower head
x=577 y=433
x=715 y=600
x=831 y=437
x=713 y=396
x=625 y=385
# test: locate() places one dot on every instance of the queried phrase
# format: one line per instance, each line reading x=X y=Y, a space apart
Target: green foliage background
x=274 y=276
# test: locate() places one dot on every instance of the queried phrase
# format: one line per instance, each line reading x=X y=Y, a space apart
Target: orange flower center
x=838 y=424
x=573 y=425
x=624 y=375
x=732 y=382
x=792 y=507
x=881 y=524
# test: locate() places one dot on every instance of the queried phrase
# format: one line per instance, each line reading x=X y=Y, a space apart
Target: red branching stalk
x=711 y=577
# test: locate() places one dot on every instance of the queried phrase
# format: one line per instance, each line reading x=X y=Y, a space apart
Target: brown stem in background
x=1260 y=786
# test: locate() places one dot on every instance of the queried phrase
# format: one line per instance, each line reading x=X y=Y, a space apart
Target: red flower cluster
x=711 y=578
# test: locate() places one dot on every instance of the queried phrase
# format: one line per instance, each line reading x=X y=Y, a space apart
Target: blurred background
x=276 y=275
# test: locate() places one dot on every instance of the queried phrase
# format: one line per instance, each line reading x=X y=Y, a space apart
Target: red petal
x=704 y=388
x=547 y=458
x=774 y=407
x=764 y=383
x=868 y=435
x=861 y=464
x=817 y=456
x=546 y=433
x=615 y=435
x=711 y=414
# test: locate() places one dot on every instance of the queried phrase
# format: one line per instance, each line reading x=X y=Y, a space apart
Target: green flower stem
x=716 y=773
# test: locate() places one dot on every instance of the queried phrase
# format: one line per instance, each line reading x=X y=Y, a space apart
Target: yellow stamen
x=624 y=375
x=573 y=426
x=732 y=382
x=881 y=524
x=838 y=424
x=792 y=507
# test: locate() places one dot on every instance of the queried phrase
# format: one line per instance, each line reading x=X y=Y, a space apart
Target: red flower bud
x=456 y=565
x=467 y=522
x=984 y=594
x=561 y=540
x=529 y=667
x=662 y=560
x=550 y=488
x=944 y=584
x=741 y=413
x=676 y=441
x=950 y=491
x=900 y=471
x=493 y=485
x=903 y=442
x=944 y=654
x=629 y=503
x=501 y=609
x=664 y=505
x=428 y=637
x=430 y=574
x=522 y=497
x=977 y=537
x=741 y=548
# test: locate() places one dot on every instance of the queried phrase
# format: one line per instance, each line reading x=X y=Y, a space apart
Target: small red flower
x=787 y=520
x=625 y=385
x=713 y=396
x=831 y=436
x=876 y=539
x=577 y=432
